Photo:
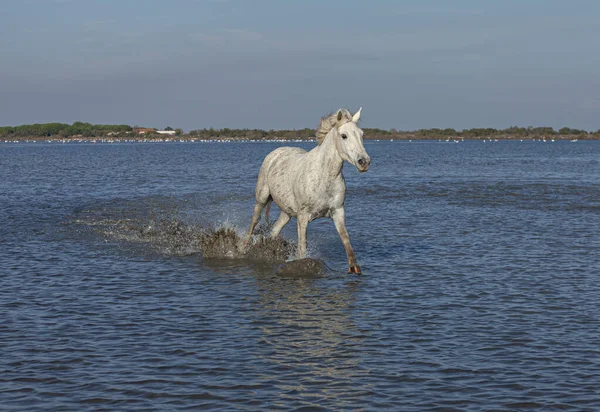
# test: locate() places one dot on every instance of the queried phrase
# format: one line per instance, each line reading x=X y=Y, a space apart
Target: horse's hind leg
x=258 y=208
x=262 y=198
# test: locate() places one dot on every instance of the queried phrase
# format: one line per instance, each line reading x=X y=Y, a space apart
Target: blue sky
x=282 y=64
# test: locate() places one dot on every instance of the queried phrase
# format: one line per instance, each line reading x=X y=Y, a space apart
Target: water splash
x=225 y=243
x=158 y=227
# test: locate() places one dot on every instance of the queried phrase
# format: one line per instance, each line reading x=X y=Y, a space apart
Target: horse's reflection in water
x=313 y=339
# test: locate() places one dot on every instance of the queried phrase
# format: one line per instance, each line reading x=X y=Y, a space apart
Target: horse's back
x=281 y=160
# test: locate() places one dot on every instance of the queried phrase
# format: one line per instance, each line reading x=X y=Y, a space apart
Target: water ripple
x=480 y=289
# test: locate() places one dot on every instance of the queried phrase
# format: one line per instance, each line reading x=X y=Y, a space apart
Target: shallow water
x=480 y=288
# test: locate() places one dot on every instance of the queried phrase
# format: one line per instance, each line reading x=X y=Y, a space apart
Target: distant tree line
x=87 y=130
x=252 y=134
x=515 y=131
x=63 y=130
x=375 y=133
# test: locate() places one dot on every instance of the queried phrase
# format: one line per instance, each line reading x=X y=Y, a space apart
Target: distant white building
x=169 y=132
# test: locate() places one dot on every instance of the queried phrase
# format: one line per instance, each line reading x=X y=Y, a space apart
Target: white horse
x=310 y=185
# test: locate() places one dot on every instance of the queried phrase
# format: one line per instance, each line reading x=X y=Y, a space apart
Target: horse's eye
x=344 y=136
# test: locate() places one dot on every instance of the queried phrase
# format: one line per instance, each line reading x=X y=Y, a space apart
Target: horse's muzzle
x=363 y=164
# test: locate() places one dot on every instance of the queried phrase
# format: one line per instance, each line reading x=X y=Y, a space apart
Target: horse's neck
x=328 y=157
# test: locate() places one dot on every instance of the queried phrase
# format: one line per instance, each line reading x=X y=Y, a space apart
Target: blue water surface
x=480 y=289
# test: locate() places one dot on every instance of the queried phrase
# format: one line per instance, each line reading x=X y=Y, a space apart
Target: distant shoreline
x=217 y=139
x=110 y=133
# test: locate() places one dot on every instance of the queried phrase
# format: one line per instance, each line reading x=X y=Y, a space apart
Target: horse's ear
x=339 y=115
x=356 y=116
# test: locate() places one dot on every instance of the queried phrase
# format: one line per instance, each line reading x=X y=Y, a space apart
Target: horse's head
x=349 y=142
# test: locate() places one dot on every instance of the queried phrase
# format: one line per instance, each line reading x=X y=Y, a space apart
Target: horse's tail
x=268 y=208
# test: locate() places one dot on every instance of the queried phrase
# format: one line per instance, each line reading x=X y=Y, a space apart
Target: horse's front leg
x=338 y=216
x=302 y=222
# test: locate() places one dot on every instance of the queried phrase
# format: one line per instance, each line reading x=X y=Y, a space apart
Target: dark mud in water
x=225 y=243
x=306 y=267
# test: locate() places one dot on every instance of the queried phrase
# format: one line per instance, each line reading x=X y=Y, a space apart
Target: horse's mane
x=329 y=122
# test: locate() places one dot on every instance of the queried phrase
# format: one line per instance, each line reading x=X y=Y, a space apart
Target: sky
x=274 y=64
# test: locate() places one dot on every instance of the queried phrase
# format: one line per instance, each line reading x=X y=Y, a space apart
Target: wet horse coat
x=310 y=185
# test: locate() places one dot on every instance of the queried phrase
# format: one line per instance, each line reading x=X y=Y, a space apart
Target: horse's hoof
x=354 y=269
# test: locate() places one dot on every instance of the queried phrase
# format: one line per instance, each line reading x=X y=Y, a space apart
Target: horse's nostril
x=361 y=161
